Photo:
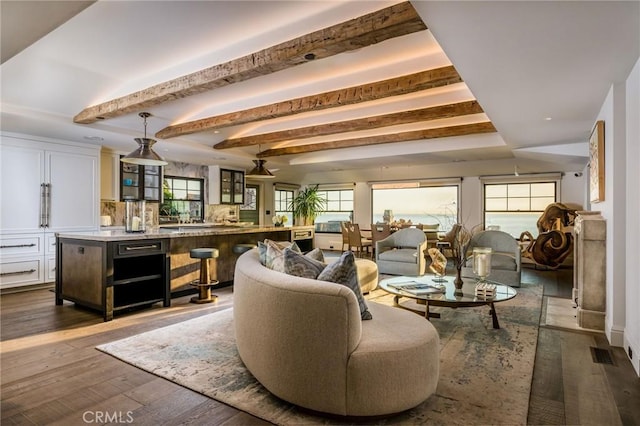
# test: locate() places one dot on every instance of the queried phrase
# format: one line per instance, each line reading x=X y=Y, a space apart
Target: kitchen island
x=112 y=270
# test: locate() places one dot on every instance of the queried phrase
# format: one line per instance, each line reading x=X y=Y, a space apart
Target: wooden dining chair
x=361 y=245
x=344 y=228
x=379 y=231
x=447 y=242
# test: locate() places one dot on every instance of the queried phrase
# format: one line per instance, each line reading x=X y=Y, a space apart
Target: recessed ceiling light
x=216 y=131
x=548 y=118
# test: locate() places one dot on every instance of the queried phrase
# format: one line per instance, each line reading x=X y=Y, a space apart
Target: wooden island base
x=110 y=271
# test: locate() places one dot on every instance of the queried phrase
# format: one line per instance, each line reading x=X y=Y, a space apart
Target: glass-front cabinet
x=231 y=187
x=226 y=186
x=139 y=182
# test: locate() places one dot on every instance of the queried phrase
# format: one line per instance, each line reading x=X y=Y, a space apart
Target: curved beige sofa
x=304 y=340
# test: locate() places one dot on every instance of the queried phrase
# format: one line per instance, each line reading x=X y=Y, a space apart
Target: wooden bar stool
x=204 y=283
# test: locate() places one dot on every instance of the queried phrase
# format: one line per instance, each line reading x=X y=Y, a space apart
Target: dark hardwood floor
x=52 y=374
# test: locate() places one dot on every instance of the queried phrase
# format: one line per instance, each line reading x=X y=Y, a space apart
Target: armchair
x=505 y=260
x=402 y=253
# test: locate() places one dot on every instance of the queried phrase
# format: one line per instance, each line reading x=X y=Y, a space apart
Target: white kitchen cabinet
x=46 y=186
x=109 y=176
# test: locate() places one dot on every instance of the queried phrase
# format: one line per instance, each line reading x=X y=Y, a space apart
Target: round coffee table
x=449 y=297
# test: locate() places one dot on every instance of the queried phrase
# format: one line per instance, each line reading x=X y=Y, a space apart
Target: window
x=183 y=200
x=426 y=205
x=339 y=208
x=516 y=207
x=282 y=201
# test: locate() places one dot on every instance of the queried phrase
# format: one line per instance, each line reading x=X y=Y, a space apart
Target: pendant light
x=260 y=171
x=144 y=154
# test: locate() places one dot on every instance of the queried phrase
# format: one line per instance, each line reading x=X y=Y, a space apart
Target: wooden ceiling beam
x=423 y=80
x=403 y=117
x=440 y=132
x=394 y=21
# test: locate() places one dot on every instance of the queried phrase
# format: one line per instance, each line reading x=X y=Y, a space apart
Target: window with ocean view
x=427 y=205
x=516 y=207
x=339 y=206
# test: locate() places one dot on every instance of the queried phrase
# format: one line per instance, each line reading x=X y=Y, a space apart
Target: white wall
x=632 y=249
x=621 y=207
x=613 y=209
x=573 y=189
x=471 y=202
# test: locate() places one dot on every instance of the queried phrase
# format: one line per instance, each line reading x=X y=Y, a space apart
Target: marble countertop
x=176 y=231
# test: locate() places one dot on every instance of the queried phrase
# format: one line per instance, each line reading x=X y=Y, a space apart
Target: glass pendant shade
x=260 y=171
x=144 y=154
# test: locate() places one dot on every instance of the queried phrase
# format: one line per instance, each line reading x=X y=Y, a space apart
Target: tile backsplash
x=221 y=213
x=115 y=210
x=213 y=213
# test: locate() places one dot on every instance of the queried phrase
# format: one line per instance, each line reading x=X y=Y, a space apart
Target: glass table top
x=445 y=291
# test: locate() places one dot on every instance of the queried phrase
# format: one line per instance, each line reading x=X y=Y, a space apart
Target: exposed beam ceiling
x=425 y=114
x=352 y=95
x=394 y=21
x=440 y=132
x=103 y=53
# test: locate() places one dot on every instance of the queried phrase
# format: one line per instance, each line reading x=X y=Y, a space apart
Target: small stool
x=204 y=283
x=367 y=271
x=242 y=248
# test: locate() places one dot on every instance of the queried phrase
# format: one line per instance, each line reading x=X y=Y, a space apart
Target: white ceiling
x=523 y=61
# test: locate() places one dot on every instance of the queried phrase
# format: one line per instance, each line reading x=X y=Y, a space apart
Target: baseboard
x=21 y=289
x=615 y=336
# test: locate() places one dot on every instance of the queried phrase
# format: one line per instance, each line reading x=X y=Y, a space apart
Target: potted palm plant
x=307 y=205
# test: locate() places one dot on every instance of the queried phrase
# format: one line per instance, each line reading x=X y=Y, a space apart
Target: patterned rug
x=485 y=374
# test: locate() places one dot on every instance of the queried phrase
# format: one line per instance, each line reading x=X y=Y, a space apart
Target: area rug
x=485 y=374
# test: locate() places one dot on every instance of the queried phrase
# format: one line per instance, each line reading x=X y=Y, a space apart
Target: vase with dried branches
x=460 y=247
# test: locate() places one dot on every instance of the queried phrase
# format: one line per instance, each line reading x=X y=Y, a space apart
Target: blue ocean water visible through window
x=516 y=207
x=428 y=205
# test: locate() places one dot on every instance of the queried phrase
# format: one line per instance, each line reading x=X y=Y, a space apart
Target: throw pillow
x=274 y=258
x=344 y=272
x=301 y=265
x=262 y=249
x=316 y=254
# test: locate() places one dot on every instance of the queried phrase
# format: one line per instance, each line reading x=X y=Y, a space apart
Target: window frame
x=552 y=179
x=168 y=200
x=348 y=210
x=281 y=207
x=444 y=227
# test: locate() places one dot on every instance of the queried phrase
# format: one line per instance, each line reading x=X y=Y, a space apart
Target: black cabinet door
x=231 y=187
x=139 y=182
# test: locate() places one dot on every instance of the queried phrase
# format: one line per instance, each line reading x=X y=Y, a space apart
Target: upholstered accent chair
x=402 y=253
x=505 y=259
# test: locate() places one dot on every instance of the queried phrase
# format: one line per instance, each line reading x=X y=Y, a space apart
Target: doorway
x=249 y=211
